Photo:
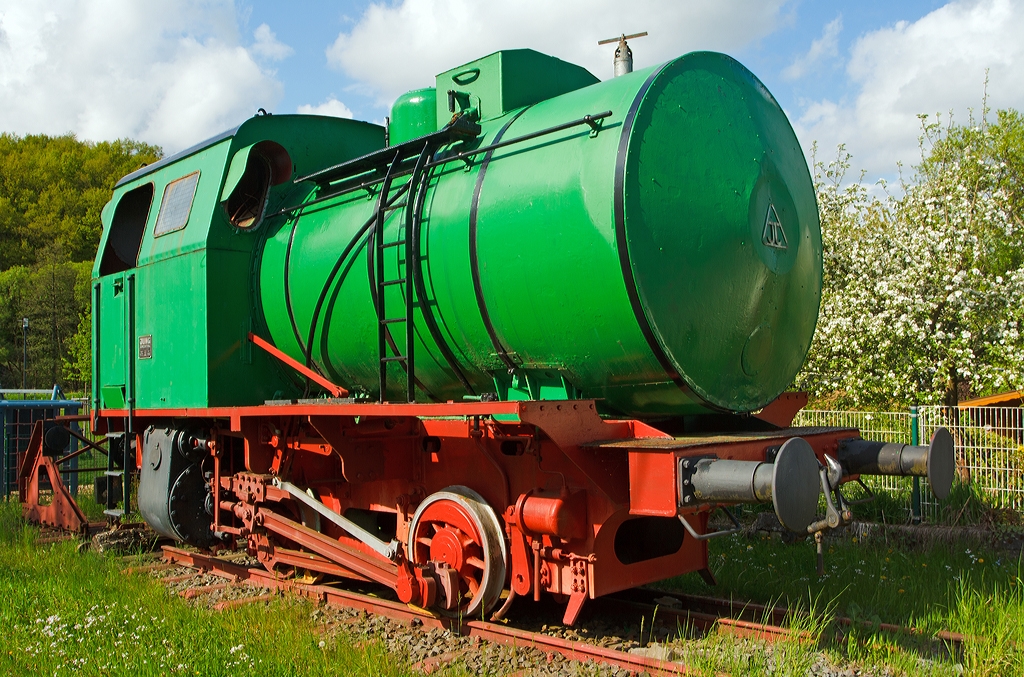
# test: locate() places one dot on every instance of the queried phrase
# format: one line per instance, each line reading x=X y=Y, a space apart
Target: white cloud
x=170 y=73
x=934 y=65
x=426 y=37
x=268 y=46
x=825 y=47
x=331 y=107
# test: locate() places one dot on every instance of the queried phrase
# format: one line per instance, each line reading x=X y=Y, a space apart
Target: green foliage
x=54 y=296
x=77 y=363
x=989 y=159
x=921 y=290
x=52 y=190
x=957 y=587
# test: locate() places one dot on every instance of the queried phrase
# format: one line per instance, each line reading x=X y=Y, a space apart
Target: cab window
x=176 y=204
x=126 y=230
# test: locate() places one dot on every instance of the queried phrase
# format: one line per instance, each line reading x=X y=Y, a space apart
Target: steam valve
x=623 y=62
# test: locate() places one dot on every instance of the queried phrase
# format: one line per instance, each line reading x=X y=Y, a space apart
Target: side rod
x=387 y=550
x=384 y=573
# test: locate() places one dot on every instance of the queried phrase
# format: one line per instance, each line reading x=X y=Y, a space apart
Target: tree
x=52 y=190
x=54 y=296
x=77 y=362
x=921 y=297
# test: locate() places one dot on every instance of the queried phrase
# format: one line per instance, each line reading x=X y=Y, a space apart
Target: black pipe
x=865 y=457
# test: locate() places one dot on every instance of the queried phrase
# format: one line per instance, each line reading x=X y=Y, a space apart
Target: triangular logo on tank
x=773 y=236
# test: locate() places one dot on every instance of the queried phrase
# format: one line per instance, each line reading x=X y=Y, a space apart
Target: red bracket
x=783 y=409
x=62 y=512
x=415 y=586
x=522 y=569
x=332 y=388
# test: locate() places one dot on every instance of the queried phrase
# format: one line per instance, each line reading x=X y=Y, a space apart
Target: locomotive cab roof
x=191 y=184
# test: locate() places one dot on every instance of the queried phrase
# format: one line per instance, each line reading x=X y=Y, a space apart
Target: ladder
x=385 y=205
x=392 y=162
x=387 y=348
x=382 y=169
x=118 y=474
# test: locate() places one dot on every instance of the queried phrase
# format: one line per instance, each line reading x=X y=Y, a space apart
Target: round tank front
x=668 y=263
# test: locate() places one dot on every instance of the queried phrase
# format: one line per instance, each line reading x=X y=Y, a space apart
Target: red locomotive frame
x=584 y=505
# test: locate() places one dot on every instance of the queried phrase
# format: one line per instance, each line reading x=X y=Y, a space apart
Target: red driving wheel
x=456 y=528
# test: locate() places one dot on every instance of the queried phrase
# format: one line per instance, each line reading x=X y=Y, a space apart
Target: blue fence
x=19 y=411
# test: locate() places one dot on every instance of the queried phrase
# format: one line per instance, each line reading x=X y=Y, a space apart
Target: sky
x=175 y=72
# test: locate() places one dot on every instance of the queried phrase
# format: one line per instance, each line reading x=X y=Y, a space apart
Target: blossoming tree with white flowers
x=923 y=291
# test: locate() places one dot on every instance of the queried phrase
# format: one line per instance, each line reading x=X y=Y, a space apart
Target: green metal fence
x=989 y=449
x=989 y=454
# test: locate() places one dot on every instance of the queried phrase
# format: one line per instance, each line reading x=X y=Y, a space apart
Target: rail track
x=225 y=582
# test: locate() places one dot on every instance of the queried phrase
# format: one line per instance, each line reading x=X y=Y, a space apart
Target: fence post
x=915 y=495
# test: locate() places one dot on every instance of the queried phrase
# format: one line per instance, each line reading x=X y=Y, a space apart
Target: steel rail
x=742 y=618
x=705 y=613
x=492 y=632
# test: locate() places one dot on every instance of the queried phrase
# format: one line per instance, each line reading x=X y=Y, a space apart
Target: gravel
x=430 y=649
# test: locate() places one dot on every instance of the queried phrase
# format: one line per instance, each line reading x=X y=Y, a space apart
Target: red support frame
x=62 y=512
x=332 y=388
x=563 y=483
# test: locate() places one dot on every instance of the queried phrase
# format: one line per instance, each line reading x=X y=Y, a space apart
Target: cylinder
x=562 y=516
x=668 y=262
x=936 y=461
x=724 y=481
x=791 y=483
x=864 y=457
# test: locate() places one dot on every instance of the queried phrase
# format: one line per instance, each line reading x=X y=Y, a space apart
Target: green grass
x=979 y=593
x=68 y=613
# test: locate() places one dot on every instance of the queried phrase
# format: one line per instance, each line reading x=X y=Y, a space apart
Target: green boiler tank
x=662 y=255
